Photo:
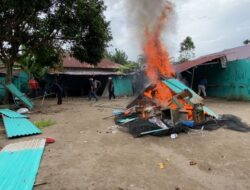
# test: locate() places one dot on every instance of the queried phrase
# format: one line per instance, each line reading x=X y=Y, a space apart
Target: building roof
x=71 y=62
x=242 y=52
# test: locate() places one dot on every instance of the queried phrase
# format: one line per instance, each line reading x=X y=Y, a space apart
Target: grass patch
x=44 y=123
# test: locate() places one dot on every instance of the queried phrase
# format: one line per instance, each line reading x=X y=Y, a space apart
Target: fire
x=158 y=63
x=159 y=66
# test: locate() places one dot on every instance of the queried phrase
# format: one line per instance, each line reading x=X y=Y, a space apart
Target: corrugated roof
x=16 y=127
x=192 y=63
x=19 y=164
x=12 y=114
x=71 y=62
x=242 y=52
x=88 y=72
x=22 y=97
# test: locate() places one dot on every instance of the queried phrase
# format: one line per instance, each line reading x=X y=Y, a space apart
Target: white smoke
x=145 y=13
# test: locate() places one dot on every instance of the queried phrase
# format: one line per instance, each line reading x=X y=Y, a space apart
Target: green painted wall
x=123 y=85
x=232 y=82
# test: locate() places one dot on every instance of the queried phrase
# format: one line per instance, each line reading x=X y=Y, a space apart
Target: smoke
x=142 y=14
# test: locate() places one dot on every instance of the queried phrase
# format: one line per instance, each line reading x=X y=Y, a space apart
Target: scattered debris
x=162 y=165
x=50 y=140
x=22 y=110
x=169 y=108
x=113 y=129
x=40 y=184
x=173 y=136
x=192 y=163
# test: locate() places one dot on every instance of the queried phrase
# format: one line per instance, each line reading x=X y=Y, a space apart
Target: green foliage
x=187 y=48
x=246 y=42
x=44 y=123
x=44 y=29
x=38 y=64
x=119 y=56
x=128 y=67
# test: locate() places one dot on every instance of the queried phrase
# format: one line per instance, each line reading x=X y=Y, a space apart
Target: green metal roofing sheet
x=19 y=164
x=12 y=114
x=19 y=127
x=177 y=86
x=210 y=112
x=13 y=89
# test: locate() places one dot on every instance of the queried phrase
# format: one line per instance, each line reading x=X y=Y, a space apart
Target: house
x=75 y=75
x=227 y=72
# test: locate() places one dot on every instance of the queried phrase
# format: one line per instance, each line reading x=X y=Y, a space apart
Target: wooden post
x=192 y=81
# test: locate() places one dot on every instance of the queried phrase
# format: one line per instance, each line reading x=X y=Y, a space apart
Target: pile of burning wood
x=183 y=110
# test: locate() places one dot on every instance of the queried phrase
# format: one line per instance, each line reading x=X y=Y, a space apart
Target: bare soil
x=88 y=155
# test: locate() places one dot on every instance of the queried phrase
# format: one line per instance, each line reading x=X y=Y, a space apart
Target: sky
x=214 y=25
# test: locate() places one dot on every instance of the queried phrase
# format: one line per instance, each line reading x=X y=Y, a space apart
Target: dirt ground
x=86 y=155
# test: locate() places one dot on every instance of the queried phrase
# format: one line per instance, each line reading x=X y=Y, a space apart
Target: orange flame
x=158 y=65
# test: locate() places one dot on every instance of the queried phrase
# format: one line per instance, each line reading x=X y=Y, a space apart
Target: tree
x=187 y=49
x=246 y=42
x=119 y=56
x=44 y=29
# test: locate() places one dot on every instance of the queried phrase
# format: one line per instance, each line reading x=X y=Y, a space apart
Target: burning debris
x=166 y=106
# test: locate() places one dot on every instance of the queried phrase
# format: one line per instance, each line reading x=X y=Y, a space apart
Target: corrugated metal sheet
x=19 y=164
x=12 y=114
x=88 y=72
x=177 y=86
x=192 y=63
x=123 y=85
x=74 y=63
x=210 y=112
x=233 y=54
x=13 y=89
x=19 y=127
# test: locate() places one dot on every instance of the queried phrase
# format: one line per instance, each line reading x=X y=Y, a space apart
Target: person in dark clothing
x=92 y=90
x=59 y=92
x=111 y=88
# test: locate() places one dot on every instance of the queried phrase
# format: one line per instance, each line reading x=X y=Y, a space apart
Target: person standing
x=111 y=88
x=202 y=87
x=92 y=90
x=59 y=92
x=33 y=86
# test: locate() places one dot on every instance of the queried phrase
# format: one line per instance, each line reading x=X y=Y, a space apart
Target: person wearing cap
x=111 y=88
x=92 y=90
